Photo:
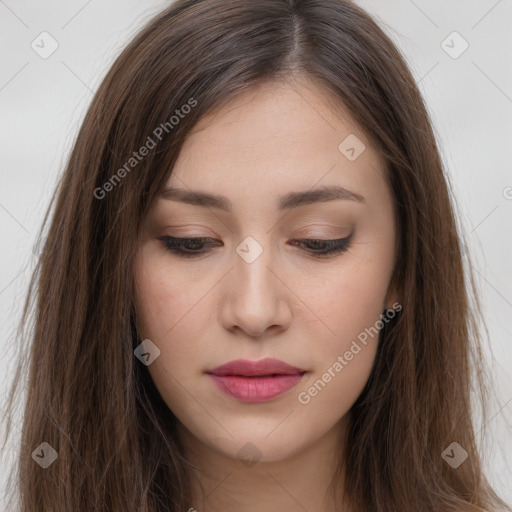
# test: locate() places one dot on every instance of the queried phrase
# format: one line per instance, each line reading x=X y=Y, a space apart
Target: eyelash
x=174 y=244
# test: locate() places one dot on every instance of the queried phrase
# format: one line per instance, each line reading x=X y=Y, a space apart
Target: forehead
x=275 y=138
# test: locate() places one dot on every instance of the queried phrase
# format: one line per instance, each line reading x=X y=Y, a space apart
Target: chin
x=253 y=445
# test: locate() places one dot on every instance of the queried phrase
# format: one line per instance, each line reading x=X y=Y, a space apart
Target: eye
x=194 y=247
x=322 y=248
x=186 y=247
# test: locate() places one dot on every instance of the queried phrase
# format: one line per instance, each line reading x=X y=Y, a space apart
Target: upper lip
x=248 y=368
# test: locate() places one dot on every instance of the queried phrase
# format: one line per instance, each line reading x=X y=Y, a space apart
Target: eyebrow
x=286 y=202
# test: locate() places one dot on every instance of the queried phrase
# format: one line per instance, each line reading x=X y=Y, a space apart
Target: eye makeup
x=198 y=246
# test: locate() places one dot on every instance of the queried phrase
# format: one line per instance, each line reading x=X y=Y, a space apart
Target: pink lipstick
x=255 y=381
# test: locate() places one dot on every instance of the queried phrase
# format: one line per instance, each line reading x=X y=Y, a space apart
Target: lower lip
x=255 y=389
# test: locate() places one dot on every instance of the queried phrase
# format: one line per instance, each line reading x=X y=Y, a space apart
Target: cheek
x=351 y=307
x=162 y=302
x=329 y=394
x=350 y=304
x=347 y=305
x=162 y=307
x=165 y=298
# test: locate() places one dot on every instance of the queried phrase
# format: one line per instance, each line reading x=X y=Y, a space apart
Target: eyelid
x=336 y=246
x=323 y=235
x=186 y=231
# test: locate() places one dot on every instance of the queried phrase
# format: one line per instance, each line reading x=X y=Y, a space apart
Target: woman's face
x=256 y=288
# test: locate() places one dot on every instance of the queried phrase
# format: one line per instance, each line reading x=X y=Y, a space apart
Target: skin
x=205 y=311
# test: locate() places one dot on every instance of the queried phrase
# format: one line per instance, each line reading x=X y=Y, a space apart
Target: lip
x=256 y=381
x=246 y=368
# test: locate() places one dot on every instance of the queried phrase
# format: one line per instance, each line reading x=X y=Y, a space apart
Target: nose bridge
x=255 y=303
x=254 y=257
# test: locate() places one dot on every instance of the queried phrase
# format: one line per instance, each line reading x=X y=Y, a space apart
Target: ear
x=393 y=295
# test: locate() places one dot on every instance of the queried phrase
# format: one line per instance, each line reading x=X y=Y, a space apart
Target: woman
x=251 y=295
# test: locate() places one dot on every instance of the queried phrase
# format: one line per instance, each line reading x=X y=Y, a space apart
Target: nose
x=257 y=299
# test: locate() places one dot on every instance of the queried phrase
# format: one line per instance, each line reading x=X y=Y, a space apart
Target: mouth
x=256 y=381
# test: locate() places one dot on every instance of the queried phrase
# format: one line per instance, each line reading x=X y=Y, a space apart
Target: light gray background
x=470 y=100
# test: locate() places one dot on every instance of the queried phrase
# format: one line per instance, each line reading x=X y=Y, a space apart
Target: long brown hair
x=92 y=401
